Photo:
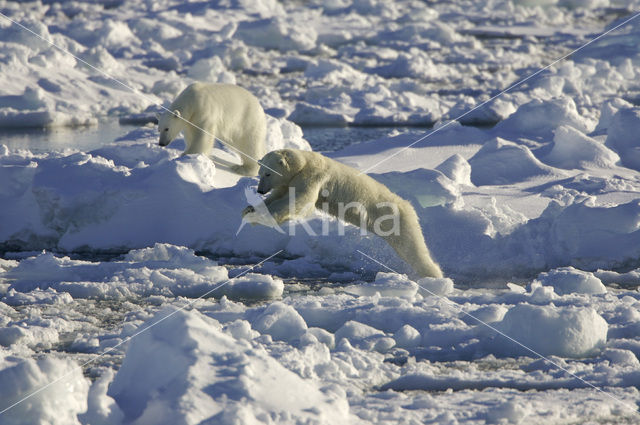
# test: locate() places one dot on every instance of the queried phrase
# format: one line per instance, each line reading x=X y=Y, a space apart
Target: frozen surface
x=130 y=291
x=338 y=62
x=213 y=376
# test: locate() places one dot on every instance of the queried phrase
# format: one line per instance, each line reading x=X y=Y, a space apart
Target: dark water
x=57 y=139
x=328 y=139
x=322 y=139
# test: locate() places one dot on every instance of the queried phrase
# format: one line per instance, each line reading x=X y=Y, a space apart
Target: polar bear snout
x=166 y=129
x=262 y=187
x=265 y=184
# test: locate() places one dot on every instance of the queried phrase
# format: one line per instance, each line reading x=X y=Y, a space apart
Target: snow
x=435 y=287
x=364 y=337
x=567 y=280
x=622 y=136
x=250 y=385
x=501 y=162
x=560 y=331
x=280 y=321
x=387 y=284
x=63 y=391
x=132 y=292
x=538 y=117
x=162 y=270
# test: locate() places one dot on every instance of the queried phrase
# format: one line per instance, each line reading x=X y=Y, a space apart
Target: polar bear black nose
x=261 y=186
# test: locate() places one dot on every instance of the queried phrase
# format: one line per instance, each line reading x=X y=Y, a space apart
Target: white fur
x=225 y=111
x=324 y=183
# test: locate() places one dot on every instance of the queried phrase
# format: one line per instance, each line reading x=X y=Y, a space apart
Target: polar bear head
x=169 y=125
x=277 y=168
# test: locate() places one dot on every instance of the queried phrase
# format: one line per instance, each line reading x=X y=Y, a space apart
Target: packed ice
x=132 y=292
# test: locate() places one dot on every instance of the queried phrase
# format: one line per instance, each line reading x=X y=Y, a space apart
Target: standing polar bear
x=299 y=180
x=224 y=111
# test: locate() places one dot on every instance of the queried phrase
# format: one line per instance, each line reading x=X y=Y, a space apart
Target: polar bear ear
x=283 y=161
x=176 y=114
x=287 y=155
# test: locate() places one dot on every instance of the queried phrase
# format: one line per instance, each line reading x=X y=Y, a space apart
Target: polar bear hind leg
x=252 y=148
x=409 y=243
x=412 y=249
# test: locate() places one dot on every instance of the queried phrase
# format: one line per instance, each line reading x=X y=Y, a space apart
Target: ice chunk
x=488 y=114
x=30 y=335
x=624 y=136
x=407 y=337
x=283 y=134
x=323 y=336
x=568 y=280
x=607 y=111
x=309 y=114
x=241 y=329
x=364 y=336
x=277 y=33
x=62 y=392
x=431 y=286
x=102 y=409
x=281 y=321
x=109 y=33
x=540 y=118
x=211 y=70
x=16 y=34
x=37 y=296
x=550 y=330
x=457 y=169
x=500 y=161
x=509 y=412
x=168 y=255
x=160 y=269
x=31 y=99
x=227 y=380
x=591 y=233
x=617 y=356
x=488 y=314
x=427 y=187
x=387 y=285
x=415 y=64
x=573 y=149
x=252 y=286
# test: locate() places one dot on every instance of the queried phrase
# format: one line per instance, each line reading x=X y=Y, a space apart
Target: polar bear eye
x=267 y=175
x=166 y=129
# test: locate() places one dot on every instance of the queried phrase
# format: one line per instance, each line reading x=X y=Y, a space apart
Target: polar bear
x=299 y=180
x=224 y=111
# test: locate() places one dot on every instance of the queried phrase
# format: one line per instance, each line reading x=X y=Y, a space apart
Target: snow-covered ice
x=131 y=291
